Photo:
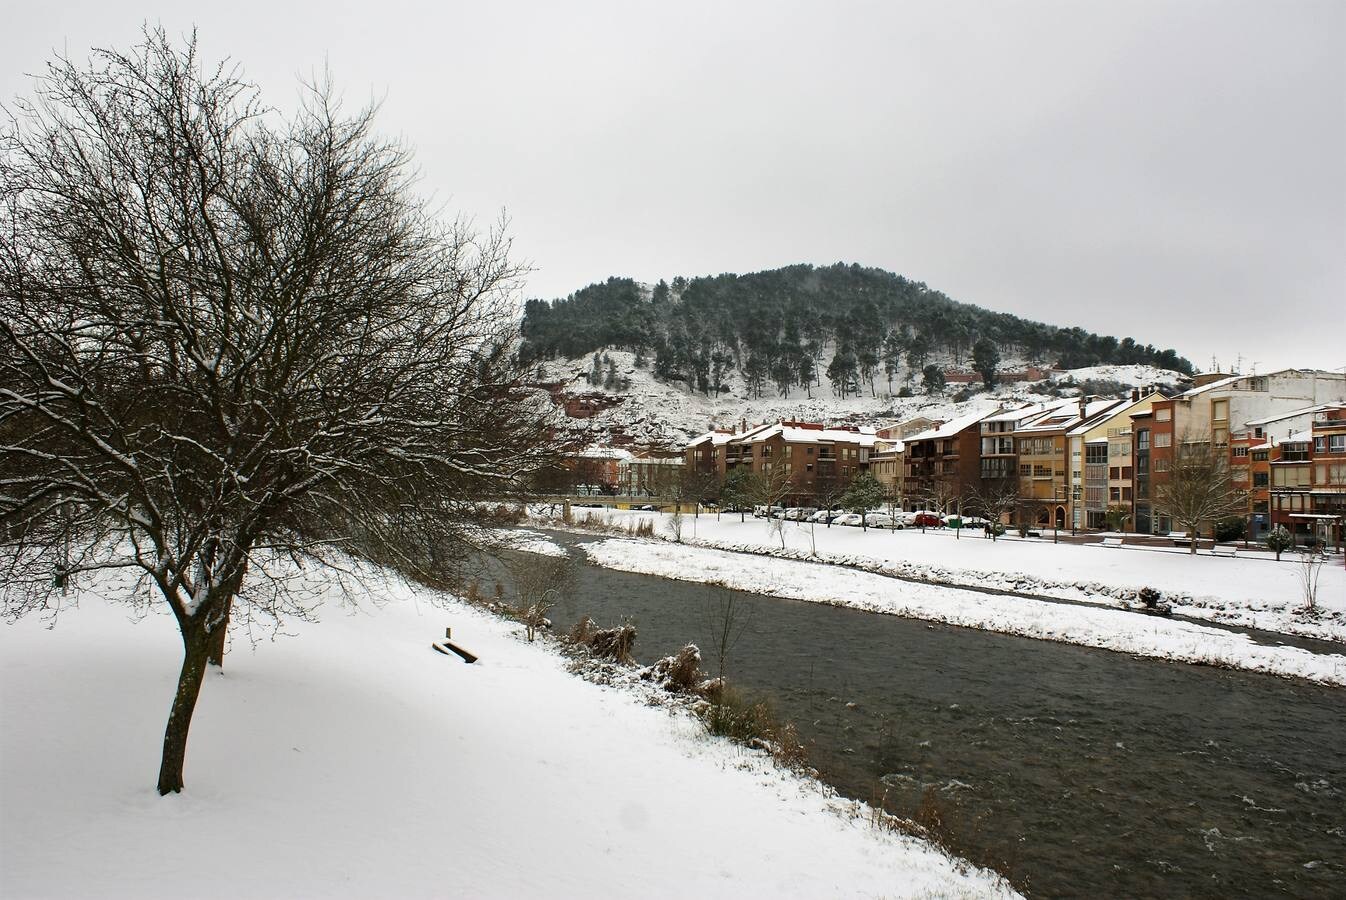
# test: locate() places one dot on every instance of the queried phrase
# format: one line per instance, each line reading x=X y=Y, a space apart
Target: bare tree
x=540 y=583
x=996 y=499
x=230 y=341
x=769 y=488
x=1199 y=488
x=828 y=491
x=1310 y=567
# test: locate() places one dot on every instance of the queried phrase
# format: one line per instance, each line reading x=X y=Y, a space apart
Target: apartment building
x=1051 y=462
x=1220 y=411
x=1104 y=445
x=942 y=464
x=807 y=452
x=1252 y=449
x=1308 y=478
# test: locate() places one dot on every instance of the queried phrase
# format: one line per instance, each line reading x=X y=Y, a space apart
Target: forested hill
x=783 y=325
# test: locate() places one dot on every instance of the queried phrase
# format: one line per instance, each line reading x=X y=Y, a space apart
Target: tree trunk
x=217 y=637
x=196 y=648
x=1192 y=535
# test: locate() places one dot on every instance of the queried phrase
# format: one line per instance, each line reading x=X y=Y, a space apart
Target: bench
x=1180 y=538
x=1112 y=542
x=1228 y=551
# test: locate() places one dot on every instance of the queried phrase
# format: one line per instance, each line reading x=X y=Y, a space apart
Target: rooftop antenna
x=1238 y=364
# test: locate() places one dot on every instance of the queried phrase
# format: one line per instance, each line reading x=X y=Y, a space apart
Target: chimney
x=743 y=425
x=1084 y=401
x=1135 y=394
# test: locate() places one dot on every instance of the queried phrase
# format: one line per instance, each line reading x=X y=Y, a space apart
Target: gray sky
x=1173 y=171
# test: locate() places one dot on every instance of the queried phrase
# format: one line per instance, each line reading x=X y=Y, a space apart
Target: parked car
x=647 y=507
x=820 y=516
x=905 y=519
x=927 y=520
x=880 y=520
x=975 y=522
x=849 y=519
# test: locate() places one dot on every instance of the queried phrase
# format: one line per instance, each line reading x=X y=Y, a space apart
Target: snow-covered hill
x=652 y=412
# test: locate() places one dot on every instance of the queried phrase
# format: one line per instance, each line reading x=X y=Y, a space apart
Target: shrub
x=1279 y=540
x=905 y=392
x=613 y=643
x=582 y=631
x=680 y=673
x=1231 y=529
x=1150 y=597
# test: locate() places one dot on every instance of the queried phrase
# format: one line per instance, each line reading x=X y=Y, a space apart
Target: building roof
x=1226 y=382
x=1302 y=411
x=1034 y=409
x=1069 y=418
x=1092 y=417
x=795 y=434
x=948 y=429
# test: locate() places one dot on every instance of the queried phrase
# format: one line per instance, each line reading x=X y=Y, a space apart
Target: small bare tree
x=1310 y=567
x=1199 y=488
x=540 y=582
x=828 y=491
x=996 y=499
x=230 y=341
x=769 y=488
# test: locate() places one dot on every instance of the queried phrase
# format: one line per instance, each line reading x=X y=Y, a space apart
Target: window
x=1161 y=465
x=1260 y=455
x=1260 y=479
x=1025 y=470
x=1219 y=410
x=1240 y=451
x=1041 y=471
x=1163 y=415
x=1338 y=443
x=1143 y=439
x=1115 y=494
x=808 y=451
x=1320 y=444
x=1096 y=453
x=1163 y=439
x=1126 y=472
x=1126 y=494
x=808 y=467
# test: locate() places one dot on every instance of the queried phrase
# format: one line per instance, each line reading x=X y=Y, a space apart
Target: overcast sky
x=1173 y=171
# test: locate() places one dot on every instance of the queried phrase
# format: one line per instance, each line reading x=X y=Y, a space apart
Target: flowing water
x=1080 y=772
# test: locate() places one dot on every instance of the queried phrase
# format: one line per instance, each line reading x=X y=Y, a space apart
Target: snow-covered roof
x=1023 y=412
x=1300 y=437
x=1092 y=416
x=1068 y=417
x=797 y=435
x=605 y=453
x=1303 y=411
x=1226 y=382
x=948 y=429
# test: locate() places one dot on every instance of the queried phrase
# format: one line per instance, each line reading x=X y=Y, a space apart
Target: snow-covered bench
x=1228 y=550
x=1112 y=542
x=1180 y=538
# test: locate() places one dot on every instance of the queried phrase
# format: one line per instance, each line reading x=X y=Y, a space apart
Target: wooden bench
x=1180 y=538
x=1229 y=551
x=1112 y=542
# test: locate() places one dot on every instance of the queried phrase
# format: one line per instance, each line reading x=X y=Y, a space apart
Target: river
x=1078 y=772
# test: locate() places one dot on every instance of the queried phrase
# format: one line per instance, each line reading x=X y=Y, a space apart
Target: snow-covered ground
x=350 y=760
x=1088 y=626
x=1251 y=590
x=657 y=412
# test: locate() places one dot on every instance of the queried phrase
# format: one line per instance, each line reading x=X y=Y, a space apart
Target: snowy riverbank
x=1253 y=591
x=350 y=760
